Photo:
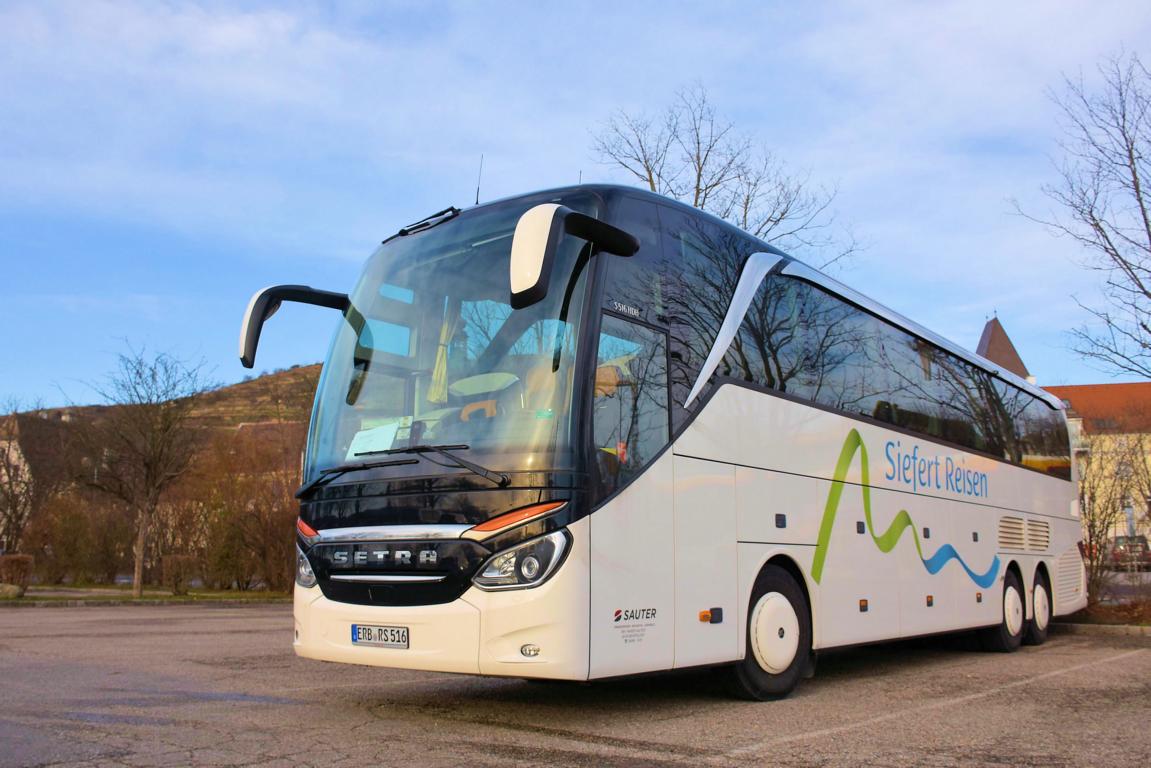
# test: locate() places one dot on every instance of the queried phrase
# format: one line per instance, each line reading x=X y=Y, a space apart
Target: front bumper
x=442 y=638
x=478 y=633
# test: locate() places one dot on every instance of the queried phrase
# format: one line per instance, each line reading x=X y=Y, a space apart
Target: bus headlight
x=305 y=577
x=524 y=565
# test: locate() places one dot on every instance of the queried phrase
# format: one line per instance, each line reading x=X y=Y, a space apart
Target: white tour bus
x=592 y=432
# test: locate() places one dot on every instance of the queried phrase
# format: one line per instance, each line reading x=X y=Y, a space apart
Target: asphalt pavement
x=197 y=685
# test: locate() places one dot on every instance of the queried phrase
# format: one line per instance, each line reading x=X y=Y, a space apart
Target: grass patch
x=118 y=593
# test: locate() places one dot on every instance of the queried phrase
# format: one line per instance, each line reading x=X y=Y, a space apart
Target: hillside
x=280 y=396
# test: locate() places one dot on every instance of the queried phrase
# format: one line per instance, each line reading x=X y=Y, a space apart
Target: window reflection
x=798 y=339
x=630 y=417
x=432 y=352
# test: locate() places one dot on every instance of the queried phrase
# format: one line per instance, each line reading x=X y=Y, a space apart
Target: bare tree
x=1141 y=476
x=693 y=155
x=242 y=491
x=1108 y=480
x=145 y=442
x=1105 y=206
x=17 y=491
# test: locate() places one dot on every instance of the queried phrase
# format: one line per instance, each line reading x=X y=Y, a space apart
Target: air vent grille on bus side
x=1038 y=535
x=1011 y=533
x=1068 y=576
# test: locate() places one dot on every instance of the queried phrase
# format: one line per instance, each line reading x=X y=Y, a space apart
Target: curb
x=1113 y=630
x=226 y=603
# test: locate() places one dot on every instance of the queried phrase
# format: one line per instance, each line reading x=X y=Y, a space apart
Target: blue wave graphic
x=947 y=552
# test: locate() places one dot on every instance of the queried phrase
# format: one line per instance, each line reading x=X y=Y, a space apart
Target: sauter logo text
x=634 y=614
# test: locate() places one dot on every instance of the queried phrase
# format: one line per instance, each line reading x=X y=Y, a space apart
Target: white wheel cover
x=1013 y=610
x=1042 y=606
x=774 y=633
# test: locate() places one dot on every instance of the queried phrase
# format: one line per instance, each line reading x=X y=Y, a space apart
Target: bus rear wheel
x=1041 y=612
x=778 y=638
x=1008 y=636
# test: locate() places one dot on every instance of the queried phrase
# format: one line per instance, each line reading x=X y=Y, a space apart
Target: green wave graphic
x=886 y=541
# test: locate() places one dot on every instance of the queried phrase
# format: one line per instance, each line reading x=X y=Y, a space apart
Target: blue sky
x=161 y=161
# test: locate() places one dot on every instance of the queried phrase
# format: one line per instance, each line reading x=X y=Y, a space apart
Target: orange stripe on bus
x=518 y=516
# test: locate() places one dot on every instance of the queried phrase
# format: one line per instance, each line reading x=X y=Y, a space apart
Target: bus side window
x=634 y=286
x=704 y=263
x=630 y=416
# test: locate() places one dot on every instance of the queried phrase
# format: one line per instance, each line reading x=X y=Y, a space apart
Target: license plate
x=381 y=637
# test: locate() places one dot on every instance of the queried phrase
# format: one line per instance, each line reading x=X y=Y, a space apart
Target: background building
x=1111 y=437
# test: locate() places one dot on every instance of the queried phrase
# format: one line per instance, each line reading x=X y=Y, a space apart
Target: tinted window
x=634 y=285
x=630 y=416
x=931 y=391
x=1043 y=435
x=430 y=350
x=705 y=260
x=386 y=337
x=798 y=339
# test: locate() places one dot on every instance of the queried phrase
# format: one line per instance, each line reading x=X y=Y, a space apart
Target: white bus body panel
x=706 y=562
x=855 y=570
x=553 y=617
x=633 y=572
x=787 y=454
x=664 y=550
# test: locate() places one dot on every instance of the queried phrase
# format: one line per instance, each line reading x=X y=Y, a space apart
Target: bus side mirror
x=537 y=238
x=265 y=303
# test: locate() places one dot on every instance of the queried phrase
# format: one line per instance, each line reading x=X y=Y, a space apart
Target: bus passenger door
x=632 y=532
x=706 y=610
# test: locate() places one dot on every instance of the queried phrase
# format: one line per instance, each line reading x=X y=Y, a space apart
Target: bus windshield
x=431 y=352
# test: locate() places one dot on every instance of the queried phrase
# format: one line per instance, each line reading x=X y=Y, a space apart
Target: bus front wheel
x=778 y=638
x=1008 y=635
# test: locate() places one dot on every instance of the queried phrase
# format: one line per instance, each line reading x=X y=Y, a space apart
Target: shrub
x=16 y=570
x=227 y=562
x=178 y=571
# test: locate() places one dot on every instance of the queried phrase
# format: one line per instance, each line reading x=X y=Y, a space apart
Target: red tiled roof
x=1122 y=408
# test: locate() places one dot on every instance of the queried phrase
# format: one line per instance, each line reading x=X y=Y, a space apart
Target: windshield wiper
x=331 y=473
x=499 y=478
x=439 y=217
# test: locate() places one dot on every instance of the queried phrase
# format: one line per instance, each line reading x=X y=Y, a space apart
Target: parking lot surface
x=195 y=685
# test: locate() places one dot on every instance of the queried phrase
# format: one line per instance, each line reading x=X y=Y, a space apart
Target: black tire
x=1041 y=606
x=1002 y=638
x=779 y=610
